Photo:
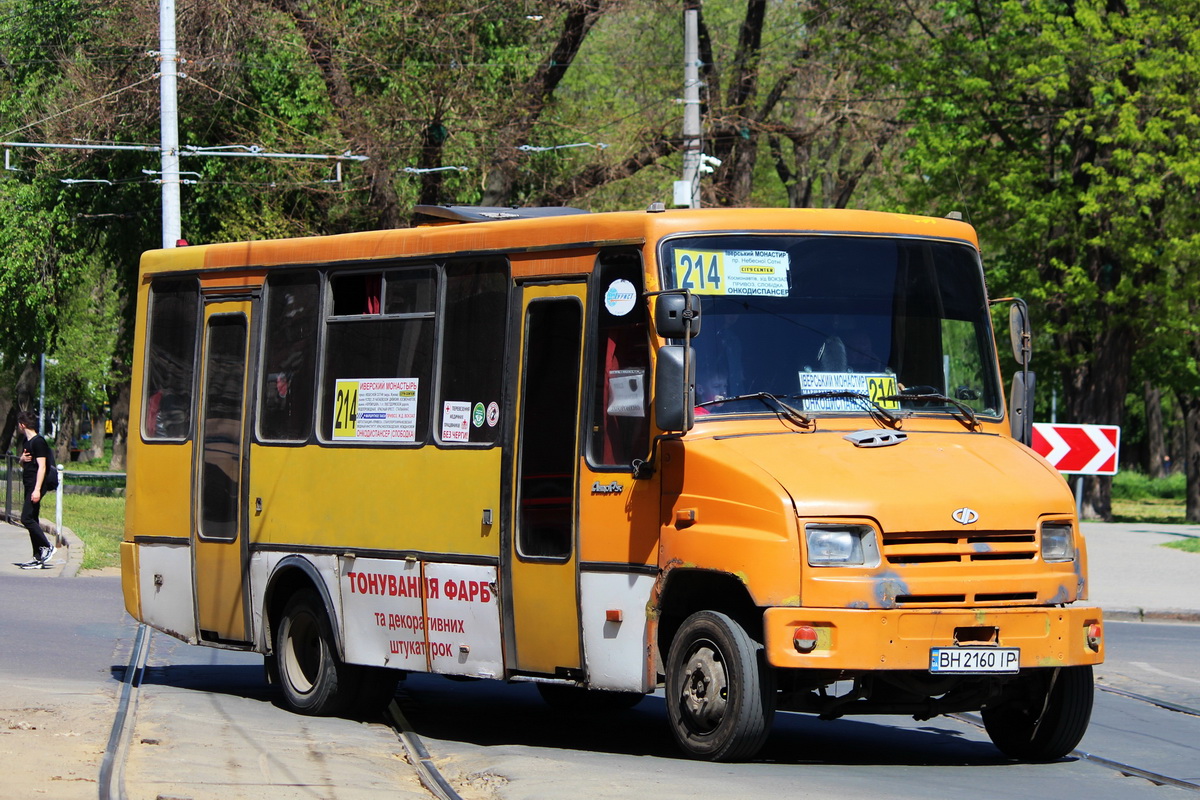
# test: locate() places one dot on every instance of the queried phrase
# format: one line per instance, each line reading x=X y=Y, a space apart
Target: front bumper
x=900 y=639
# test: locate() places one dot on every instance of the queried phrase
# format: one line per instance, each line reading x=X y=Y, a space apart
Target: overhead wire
x=77 y=107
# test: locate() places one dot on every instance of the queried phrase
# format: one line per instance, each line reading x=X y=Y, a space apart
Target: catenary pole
x=169 y=121
x=691 y=102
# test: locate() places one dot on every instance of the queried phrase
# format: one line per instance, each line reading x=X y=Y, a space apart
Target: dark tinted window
x=378 y=372
x=473 y=351
x=550 y=392
x=621 y=363
x=170 y=359
x=287 y=395
x=225 y=366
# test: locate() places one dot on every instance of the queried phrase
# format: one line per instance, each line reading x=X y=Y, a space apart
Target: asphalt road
x=209 y=726
x=504 y=730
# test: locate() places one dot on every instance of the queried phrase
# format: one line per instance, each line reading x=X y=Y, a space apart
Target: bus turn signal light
x=805 y=639
x=1094 y=633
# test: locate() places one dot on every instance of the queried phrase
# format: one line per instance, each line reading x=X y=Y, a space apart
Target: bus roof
x=530 y=230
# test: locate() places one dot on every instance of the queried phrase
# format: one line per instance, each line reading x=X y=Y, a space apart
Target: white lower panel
x=616 y=653
x=165 y=589
x=429 y=617
x=463 y=620
x=263 y=566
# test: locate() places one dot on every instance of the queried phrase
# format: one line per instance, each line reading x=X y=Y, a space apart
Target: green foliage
x=98 y=521
x=1131 y=485
x=1067 y=131
x=1188 y=545
x=89 y=324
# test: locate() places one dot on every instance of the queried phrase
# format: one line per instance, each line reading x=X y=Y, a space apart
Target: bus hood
x=915 y=485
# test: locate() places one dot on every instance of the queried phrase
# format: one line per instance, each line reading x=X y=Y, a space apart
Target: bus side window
x=473 y=343
x=621 y=363
x=287 y=396
x=370 y=341
x=171 y=359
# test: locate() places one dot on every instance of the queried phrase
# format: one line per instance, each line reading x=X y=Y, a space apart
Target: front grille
x=982 y=598
x=952 y=547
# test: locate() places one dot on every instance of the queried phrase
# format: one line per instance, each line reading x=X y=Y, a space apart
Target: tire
x=1020 y=728
x=314 y=680
x=573 y=699
x=720 y=692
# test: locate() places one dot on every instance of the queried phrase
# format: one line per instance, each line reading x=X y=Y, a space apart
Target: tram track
x=431 y=777
x=112 y=766
x=1157 y=778
x=1193 y=712
x=111 y=783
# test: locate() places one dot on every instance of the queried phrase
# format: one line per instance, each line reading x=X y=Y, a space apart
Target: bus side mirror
x=675 y=388
x=1020 y=332
x=677 y=316
x=1020 y=407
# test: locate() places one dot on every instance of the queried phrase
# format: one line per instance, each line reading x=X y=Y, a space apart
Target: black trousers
x=30 y=513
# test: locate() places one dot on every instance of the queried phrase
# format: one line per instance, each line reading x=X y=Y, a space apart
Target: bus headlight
x=1058 y=542
x=831 y=545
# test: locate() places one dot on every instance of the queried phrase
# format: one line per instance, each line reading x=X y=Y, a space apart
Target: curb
x=1151 y=615
x=74 y=548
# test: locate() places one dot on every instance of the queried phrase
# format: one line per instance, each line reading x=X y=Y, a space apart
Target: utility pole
x=687 y=191
x=169 y=121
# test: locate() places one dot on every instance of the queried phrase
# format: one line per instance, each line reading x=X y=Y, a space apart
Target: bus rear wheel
x=314 y=680
x=720 y=692
x=1045 y=716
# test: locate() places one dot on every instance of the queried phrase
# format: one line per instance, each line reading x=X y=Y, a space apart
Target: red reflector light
x=1095 y=633
x=612 y=615
x=805 y=638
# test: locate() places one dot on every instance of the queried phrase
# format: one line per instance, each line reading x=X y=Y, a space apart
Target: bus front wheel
x=313 y=678
x=1045 y=715
x=720 y=692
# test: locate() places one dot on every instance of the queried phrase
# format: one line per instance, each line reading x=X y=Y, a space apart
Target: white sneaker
x=45 y=554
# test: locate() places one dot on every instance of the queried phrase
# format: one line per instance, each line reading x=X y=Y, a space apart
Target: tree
x=1067 y=130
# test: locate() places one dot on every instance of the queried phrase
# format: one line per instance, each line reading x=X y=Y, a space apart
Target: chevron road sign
x=1078 y=449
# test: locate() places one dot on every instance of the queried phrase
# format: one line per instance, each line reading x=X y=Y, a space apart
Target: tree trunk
x=1156 y=448
x=68 y=425
x=500 y=183
x=351 y=121
x=118 y=400
x=1095 y=394
x=1190 y=404
x=24 y=399
x=97 y=450
x=734 y=135
x=432 y=139
x=1176 y=444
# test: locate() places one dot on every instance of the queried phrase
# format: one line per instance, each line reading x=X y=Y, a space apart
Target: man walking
x=35 y=459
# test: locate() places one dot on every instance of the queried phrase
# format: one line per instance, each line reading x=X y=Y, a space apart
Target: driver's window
x=620 y=380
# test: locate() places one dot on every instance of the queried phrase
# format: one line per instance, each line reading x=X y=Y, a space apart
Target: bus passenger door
x=542 y=551
x=218 y=520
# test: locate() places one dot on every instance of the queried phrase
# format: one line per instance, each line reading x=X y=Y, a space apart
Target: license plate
x=975 y=660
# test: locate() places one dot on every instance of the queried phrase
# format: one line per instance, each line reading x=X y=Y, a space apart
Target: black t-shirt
x=37 y=448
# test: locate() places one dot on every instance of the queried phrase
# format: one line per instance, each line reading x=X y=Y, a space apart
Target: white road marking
x=1163 y=672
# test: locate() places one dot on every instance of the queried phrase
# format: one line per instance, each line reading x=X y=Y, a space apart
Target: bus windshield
x=830 y=320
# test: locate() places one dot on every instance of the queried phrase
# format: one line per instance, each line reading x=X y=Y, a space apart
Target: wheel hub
x=705 y=687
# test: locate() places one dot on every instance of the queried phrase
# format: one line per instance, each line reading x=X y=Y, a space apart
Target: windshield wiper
x=971 y=421
x=789 y=411
x=877 y=412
